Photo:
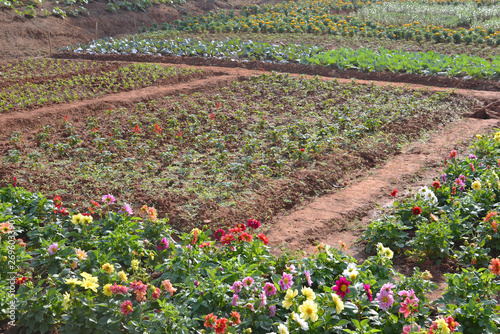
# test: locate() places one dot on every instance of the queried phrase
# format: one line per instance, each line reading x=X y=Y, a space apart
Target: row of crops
x=207 y=152
x=363 y=59
x=57 y=81
x=470 y=22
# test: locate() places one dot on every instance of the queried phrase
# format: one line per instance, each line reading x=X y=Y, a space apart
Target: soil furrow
x=33 y=119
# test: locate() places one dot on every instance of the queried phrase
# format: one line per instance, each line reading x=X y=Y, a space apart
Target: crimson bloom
x=245 y=237
x=436 y=185
x=219 y=234
x=127 y=307
x=416 y=211
x=255 y=224
x=342 y=287
x=394 y=193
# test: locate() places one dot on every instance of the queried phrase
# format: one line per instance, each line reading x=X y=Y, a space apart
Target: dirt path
x=344 y=214
x=29 y=120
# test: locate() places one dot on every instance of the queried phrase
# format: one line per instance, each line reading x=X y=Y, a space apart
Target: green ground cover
x=362 y=59
x=67 y=85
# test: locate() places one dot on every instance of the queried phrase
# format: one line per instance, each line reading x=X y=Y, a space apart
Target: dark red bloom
x=436 y=185
x=394 y=193
x=255 y=224
x=219 y=234
x=416 y=211
x=14 y=183
x=241 y=226
x=21 y=280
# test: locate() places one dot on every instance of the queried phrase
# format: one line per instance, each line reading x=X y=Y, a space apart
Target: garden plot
x=59 y=81
x=251 y=148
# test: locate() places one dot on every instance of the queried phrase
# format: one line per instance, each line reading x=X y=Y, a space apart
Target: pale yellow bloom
x=339 y=304
x=135 y=264
x=282 y=329
x=66 y=300
x=77 y=219
x=309 y=310
x=290 y=294
x=442 y=326
x=87 y=219
x=91 y=284
x=476 y=185
x=73 y=282
x=85 y=275
x=308 y=293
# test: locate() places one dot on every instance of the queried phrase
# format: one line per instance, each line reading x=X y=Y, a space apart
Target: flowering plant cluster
x=123 y=273
x=455 y=219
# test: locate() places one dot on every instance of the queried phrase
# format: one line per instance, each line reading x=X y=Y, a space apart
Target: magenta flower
x=235 y=300
x=248 y=282
x=286 y=281
x=385 y=299
x=272 y=311
x=126 y=208
x=109 y=199
x=269 y=289
x=342 y=287
x=368 y=291
x=53 y=248
x=164 y=243
x=308 y=277
x=237 y=285
x=407 y=294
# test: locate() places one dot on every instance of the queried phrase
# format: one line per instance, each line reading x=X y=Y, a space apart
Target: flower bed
x=113 y=272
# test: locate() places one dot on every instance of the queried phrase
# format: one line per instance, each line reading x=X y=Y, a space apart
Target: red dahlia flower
x=416 y=211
